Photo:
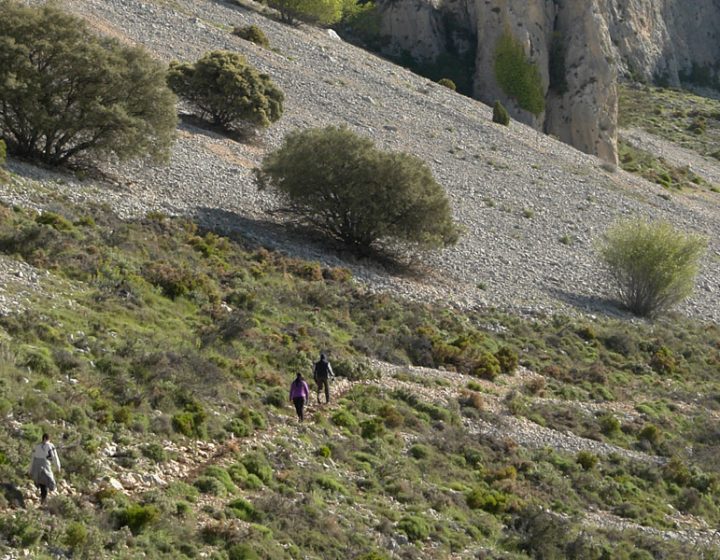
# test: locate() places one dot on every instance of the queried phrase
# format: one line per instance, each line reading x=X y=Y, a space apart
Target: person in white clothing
x=44 y=455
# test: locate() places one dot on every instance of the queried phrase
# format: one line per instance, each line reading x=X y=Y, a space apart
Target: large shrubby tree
x=652 y=264
x=65 y=91
x=340 y=183
x=225 y=89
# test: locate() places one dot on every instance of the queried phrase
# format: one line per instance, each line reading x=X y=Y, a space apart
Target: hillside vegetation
x=156 y=340
x=157 y=348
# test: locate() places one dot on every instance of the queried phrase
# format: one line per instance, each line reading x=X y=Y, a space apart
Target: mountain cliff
x=579 y=49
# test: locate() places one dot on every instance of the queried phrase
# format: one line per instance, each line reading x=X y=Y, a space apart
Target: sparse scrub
x=653 y=265
x=67 y=93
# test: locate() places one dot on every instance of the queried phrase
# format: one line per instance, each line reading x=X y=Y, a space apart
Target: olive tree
x=652 y=264
x=65 y=91
x=225 y=89
x=342 y=184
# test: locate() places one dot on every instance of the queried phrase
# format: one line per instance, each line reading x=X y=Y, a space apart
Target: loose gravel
x=533 y=208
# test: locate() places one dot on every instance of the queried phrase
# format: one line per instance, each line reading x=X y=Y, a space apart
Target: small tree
x=64 y=91
x=517 y=75
x=339 y=182
x=653 y=265
x=500 y=114
x=323 y=12
x=224 y=88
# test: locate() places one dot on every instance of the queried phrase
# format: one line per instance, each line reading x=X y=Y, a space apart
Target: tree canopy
x=65 y=91
x=342 y=184
x=324 y=12
x=225 y=89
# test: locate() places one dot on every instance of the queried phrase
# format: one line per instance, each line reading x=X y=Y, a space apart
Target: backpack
x=322 y=371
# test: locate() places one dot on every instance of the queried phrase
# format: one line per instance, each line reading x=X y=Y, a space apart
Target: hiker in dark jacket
x=44 y=456
x=299 y=395
x=322 y=374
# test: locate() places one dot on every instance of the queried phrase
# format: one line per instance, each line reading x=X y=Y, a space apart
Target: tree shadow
x=606 y=306
x=304 y=242
x=198 y=125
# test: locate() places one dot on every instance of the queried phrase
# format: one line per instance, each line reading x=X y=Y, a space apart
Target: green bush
x=222 y=475
x=65 y=91
x=253 y=34
x=517 y=75
x=324 y=12
x=76 y=535
x=586 y=459
x=652 y=265
x=375 y=196
x=415 y=527
x=507 y=358
x=224 y=88
x=3 y=152
x=136 y=517
x=191 y=422
x=372 y=428
x=257 y=464
x=210 y=485
x=242 y=552
x=486 y=366
x=663 y=361
x=448 y=83
x=344 y=419
x=242 y=509
x=500 y=114
x=491 y=501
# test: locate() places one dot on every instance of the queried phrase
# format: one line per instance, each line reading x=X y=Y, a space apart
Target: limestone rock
x=640 y=39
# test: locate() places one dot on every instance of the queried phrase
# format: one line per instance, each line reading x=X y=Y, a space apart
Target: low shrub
x=253 y=34
x=257 y=464
x=136 y=517
x=415 y=527
x=508 y=359
x=448 y=83
x=242 y=509
x=210 y=485
x=500 y=114
x=344 y=419
x=586 y=459
x=486 y=366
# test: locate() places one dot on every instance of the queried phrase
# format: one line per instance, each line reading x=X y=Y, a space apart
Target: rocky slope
x=587 y=44
x=533 y=208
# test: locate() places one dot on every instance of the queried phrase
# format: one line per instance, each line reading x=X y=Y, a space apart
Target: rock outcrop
x=578 y=47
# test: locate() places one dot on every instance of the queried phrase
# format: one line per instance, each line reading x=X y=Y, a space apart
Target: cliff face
x=579 y=48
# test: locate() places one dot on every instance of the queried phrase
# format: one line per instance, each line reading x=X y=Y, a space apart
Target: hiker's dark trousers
x=299 y=403
x=320 y=384
x=43 y=492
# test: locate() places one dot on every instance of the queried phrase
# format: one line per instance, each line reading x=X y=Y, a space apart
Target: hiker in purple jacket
x=299 y=394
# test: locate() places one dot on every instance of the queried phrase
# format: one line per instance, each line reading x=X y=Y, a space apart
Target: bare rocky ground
x=533 y=208
x=516 y=192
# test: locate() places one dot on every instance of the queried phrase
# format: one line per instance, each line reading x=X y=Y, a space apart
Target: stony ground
x=533 y=208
